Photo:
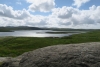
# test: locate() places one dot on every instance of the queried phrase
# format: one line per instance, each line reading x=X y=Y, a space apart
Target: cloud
x=7 y=11
x=79 y=3
x=41 y=5
x=90 y=16
x=68 y=17
x=64 y=12
x=36 y=20
x=5 y=21
x=11 y=17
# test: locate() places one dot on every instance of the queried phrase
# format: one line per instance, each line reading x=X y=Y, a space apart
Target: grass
x=14 y=46
x=1 y=64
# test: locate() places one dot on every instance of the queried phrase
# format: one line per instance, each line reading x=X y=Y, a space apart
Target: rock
x=72 y=55
x=3 y=60
x=11 y=62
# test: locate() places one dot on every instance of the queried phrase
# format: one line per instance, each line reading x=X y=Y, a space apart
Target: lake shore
x=14 y=46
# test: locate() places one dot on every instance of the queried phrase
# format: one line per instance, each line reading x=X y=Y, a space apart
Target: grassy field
x=14 y=46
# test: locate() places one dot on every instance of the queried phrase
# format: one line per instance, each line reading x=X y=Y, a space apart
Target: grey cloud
x=7 y=11
x=74 y=16
x=34 y=22
x=81 y=21
x=66 y=24
x=22 y=14
x=64 y=12
x=42 y=6
x=65 y=15
x=10 y=22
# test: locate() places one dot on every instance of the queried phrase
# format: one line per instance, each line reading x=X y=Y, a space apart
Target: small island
x=65 y=32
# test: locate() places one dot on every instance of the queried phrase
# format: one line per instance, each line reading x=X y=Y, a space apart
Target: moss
x=1 y=64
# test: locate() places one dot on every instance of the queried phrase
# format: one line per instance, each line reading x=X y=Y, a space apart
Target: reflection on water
x=33 y=33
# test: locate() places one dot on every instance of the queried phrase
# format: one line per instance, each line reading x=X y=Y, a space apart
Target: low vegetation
x=14 y=46
x=2 y=29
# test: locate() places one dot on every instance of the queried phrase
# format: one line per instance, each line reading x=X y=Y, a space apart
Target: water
x=34 y=33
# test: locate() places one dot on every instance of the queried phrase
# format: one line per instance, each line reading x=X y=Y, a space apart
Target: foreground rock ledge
x=71 y=55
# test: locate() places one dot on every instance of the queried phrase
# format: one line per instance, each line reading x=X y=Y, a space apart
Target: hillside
x=3 y=29
x=9 y=29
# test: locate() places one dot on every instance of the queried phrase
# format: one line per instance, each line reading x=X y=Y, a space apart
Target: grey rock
x=71 y=55
x=11 y=62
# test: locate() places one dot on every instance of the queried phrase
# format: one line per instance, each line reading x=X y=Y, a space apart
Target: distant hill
x=9 y=28
x=3 y=29
x=12 y=28
x=69 y=29
x=24 y=28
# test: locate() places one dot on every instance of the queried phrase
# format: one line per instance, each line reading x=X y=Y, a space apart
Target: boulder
x=70 y=55
x=10 y=61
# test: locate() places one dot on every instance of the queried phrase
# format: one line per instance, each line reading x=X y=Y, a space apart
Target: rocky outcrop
x=71 y=55
x=3 y=60
x=10 y=61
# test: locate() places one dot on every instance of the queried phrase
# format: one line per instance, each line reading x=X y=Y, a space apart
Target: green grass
x=14 y=46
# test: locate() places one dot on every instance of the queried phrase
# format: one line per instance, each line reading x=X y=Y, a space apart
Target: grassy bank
x=14 y=46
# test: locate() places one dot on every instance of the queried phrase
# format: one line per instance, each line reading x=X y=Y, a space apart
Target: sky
x=82 y=14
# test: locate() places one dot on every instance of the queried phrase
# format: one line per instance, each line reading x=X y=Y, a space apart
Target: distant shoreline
x=14 y=46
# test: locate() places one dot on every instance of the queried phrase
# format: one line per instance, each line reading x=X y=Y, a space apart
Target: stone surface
x=69 y=55
x=11 y=62
x=72 y=55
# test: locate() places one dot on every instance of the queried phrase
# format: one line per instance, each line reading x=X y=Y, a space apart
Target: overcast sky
x=51 y=13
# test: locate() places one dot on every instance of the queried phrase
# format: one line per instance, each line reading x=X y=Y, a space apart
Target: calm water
x=34 y=33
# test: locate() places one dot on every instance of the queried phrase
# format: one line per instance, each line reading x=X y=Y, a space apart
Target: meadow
x=15 y=46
